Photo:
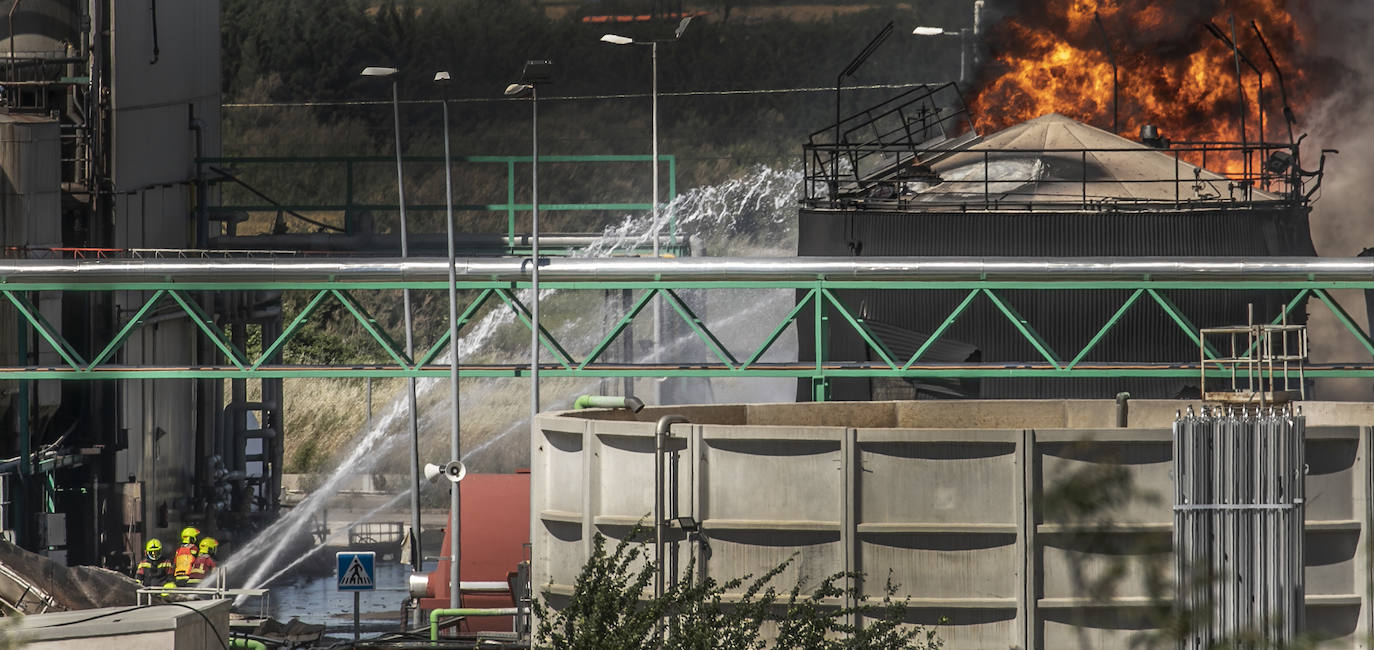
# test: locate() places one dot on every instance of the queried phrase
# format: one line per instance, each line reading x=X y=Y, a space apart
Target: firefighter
x=204 y=563
x=186 y=555
x=154 y=569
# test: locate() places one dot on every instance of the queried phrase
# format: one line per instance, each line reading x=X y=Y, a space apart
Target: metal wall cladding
x=30 y=181
x=1238 y=514
x=979 y=527
x=30 y=216
x=153 y=141
x=1066 y=319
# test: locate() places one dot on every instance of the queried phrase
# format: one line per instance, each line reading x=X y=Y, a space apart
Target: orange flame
x=1171 y=72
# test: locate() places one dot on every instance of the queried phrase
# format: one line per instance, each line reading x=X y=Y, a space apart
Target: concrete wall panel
x=964 y=519
x=941 y=566
x=937 y=482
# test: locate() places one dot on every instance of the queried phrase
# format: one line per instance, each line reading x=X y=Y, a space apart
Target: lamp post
x=535 y=73
x=966 y=36
x=849 y=71
x=455 y=503
x=416 y=558
x=962 y=35
x=615 y=39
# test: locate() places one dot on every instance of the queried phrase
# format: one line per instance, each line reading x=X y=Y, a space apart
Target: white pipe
x=435 y=269
x=662 y=431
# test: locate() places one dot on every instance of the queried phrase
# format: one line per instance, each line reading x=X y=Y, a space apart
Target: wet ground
x=317 y=599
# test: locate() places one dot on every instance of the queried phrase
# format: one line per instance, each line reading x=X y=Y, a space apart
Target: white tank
x=946 y=497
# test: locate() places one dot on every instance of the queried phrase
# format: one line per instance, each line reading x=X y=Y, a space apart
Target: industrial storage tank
x=912 y=178
x=955 y=500
x=38 y=32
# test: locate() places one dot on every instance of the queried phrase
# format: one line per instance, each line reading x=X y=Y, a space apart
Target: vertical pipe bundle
x=1238 y=526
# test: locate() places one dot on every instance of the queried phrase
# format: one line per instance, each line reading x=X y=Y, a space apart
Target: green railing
x=816 y=298
x=350 y=206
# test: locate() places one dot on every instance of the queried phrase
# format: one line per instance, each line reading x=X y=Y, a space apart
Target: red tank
x=496 y=528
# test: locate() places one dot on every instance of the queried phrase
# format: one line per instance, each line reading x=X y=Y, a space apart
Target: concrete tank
x=949 y=497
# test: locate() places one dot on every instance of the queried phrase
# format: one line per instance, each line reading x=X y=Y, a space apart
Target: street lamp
x=416 y=558
x=849 y=71
x=455 y=502
x=966 y=38
x=615 y=39
x=534 y=74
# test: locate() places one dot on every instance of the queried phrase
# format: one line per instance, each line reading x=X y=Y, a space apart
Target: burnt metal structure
x=911 y=177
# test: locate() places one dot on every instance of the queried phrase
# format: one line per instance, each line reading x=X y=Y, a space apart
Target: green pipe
x=466 y=611
x=634 y=404
x=246 y=644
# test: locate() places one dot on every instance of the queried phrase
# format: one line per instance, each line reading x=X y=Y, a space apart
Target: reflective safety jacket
x=200 y=567
x=153 y=573
x=181 y=563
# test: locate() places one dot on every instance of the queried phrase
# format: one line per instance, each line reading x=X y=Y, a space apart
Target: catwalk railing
x=357 y=180
x=155 y=290
x=888 y=176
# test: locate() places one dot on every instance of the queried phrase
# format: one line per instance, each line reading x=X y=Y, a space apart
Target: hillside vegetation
x=292 y=88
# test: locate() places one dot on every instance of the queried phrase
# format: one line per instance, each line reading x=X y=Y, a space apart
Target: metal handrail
x=350 y=207
x=848 y=186
x=939 y=110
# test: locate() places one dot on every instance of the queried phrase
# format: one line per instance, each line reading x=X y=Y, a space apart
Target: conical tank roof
x=1055 y=159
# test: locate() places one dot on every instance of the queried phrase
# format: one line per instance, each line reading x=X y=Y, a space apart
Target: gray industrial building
x=106 y=106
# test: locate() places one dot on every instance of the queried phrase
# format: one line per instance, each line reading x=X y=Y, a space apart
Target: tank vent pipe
x=661 y=432
x=631 y=403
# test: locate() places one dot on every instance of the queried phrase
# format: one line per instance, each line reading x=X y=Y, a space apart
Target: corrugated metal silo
x=1050 y=187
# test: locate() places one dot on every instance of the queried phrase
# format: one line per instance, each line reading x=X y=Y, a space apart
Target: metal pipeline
x=634 y=404
x=435 y=269
x=1123 y=408
x=661 y=431
x=466 y=611
x=419 y=587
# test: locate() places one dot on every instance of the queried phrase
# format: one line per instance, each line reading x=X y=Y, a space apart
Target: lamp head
x=374 y=71
x=442 y=77
x=517 y=90
x=682 y=27
x=928 y=31
x=616 y=39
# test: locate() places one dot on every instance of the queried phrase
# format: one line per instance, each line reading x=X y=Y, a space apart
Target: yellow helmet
x=190 y=535
x=153 y=548
x=209 y=546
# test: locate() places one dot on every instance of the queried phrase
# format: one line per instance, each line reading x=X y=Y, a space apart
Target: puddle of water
x=316 y=599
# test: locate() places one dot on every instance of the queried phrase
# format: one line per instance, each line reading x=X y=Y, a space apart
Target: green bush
x=608 y=611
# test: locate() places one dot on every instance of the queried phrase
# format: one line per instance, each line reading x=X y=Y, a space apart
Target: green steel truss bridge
x=158 y=285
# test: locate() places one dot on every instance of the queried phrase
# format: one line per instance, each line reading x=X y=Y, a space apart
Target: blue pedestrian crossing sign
x=357 y=571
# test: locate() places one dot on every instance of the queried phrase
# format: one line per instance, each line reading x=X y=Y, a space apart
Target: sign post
x=357 y=573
